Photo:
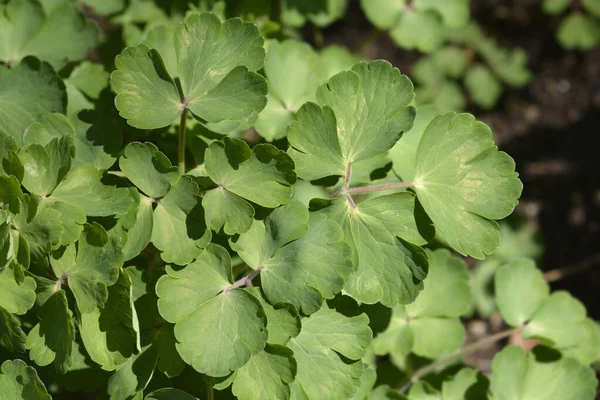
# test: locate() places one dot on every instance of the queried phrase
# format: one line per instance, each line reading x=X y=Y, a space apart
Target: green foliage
x=580 y=28
x=256 y=270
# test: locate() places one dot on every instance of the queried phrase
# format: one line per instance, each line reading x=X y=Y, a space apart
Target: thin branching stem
x=244 y=281
x=210 y=394
x=181 y=152
x=349 y=198
x=378 y=188
x=457 y=355
x=582 y=266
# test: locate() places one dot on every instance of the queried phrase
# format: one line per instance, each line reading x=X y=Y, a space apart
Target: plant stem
x=349 y=198
x=377 y=188
x=459 y=354
x=181 y=153
x=210 y=395
x=370 y=39
x=245 y=281
x=560 y=273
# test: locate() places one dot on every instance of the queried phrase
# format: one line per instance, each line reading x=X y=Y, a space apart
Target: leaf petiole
x=377 y=188
x=244 y=281
x=181 y=153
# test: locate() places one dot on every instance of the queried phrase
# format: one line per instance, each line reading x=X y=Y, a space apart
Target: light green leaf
x=28 y=91
x=148 y=169
x=520 y=290
x=405 y=150
x=160 y=38
x=455 y=13
x=179 y=229
x=558 y=320
x=464 y=183
x=467 y=382
x=283 y=321
x=47 y=127
x=46 y=167
x=587 y=350
x=422 y=30
x=140 y=233
x=578 y=31
x=72 y=219
x=356 y=119
x=89 y=78
x=108 y=333
x=263 y=175
x=267 y=375
x=555 y=6
x=51 y=340
x=18 y=381
x=516 y=376
x=216 y=75
x=319 y=12
x=325 y=338
x=228 y=211
x=483 y=85
x=12 y=337
x=434 y=337
x=98 y=138
x=90 y=268
x=18 y=292
x=193 y=299
x=26 y=30
x=85 y=187
x=133 y=375
x=11 y=195
x=169 y=394
x=9 y=161
x=384 y=14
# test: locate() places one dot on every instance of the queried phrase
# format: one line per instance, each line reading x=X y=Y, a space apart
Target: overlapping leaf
x=215 y=65
x=21 y=382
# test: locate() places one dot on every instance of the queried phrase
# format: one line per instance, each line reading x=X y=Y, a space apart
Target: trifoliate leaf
x=387 y=269
x=520 y=289
x=555 y=6
x=328 y=350
x=215 y=67
x=46 y=167
x=516 y=376
x=404 y=151
x=267 y=375
x=133 y=375
x=179 y=229
x=108 y=331
x=18 y=381
x=18 y=291
x=9 y=161
x=263 y=175
x=85 y=187
x=89 y=78
x=148 y=169
x=28 y=91
x=484 y=87
x=430 y=326
x=283 y=321
x=89 y=268
x=26 y=30
x=558 y=321
x=194 y=299
x=463 y=206
x=578 y=31
x=362 y=113
x=51 y=340
x=12 y=337
x=140 y=233
x=226 y=210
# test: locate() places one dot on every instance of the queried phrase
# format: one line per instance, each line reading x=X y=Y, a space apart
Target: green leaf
x=46 y=167
x=179 y=229
x=558 y=321
x=98 y=138
x=384 y=14
x=85 y=187
x=516 y=376
x=464 y=183
x=140 y=233
x=592 y=6
x=47 y=127
x=26 y=30
x=520 y=289
x=405 y=150
x=263 y=175
x=362 y=113
x=21 y=382
x=28 y=91
x=72 y=219
x=89 y=78
x=387 y=269
x=133 y=375
x=578 y=31
x=90 y=268
x=587 y=350
x=193 y=299
x=169 y=394
x=18 y=292
x=51 y=340
x=484 y=87
x=422 y=30
x=267 y=375
x=283 y=322
x=11 y=195
x=228 y=211
x=433 y=337
x=328 y=350
x=148 y=169
x=9 y=161
x=109 y=331
x=555 y=6
x=216 y=75
x=455 y=13
x=12 y=337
